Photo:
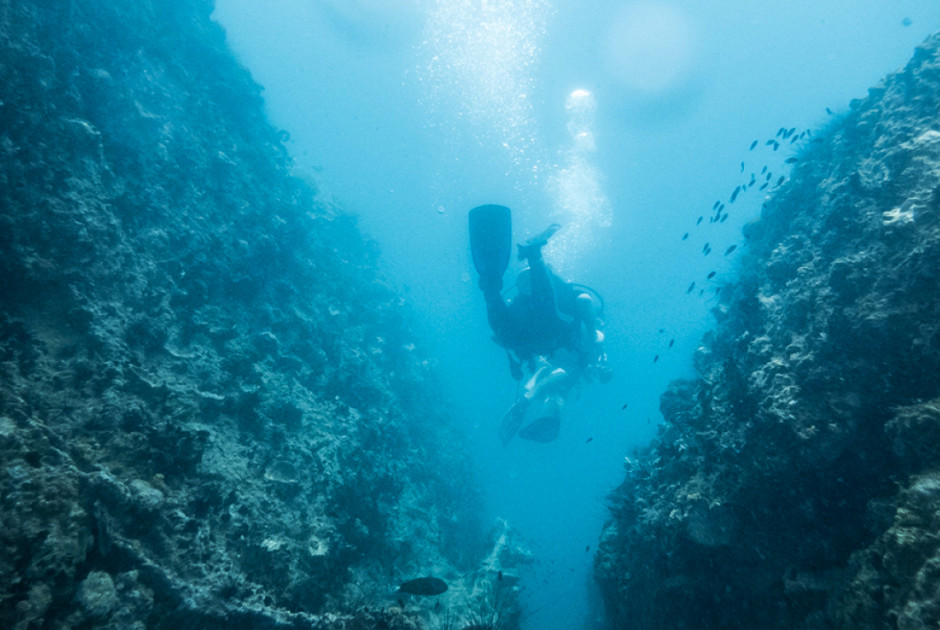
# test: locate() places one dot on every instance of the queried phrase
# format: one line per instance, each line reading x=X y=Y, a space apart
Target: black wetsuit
x=531 y=324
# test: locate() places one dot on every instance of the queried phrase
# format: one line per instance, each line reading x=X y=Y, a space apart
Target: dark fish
x=624 y=406
x=781 y=180
x=499 y=575
x=742 y=167
x=829 y=111
x=588 y=440
x=791 y=160
x=685 y=236
x=753 y=144
x=730 y=249
x=707 y=247
x=587 y=549
x=763 y=170
x=776 y=145
x=662 y=330
x=690 y=289
x=764 y=186
x=734 y=195
x=710 y=275
x=699 y=220
x=769 y=175
x=770 y=142
x=723 y=218
x=717 y=203
x=780 y=132
x=701 y=292
x=656 y=358
x=672 y=342
x=794 y=139
x=423 y=586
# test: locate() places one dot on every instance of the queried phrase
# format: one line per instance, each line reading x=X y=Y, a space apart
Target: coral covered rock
x=793 y=484
x=212 y=411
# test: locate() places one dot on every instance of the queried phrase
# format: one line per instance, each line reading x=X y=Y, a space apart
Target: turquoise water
x=624 y=123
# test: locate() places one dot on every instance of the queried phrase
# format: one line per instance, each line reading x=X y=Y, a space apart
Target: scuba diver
x=549 y=327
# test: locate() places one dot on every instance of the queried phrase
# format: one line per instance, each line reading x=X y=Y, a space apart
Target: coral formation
x=212 y=411
x=794 y=483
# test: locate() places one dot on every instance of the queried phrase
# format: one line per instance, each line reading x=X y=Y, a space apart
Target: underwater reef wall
x=212 y=411
x=795 y=482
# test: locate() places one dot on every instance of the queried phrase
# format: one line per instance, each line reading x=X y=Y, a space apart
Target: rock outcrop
x=212 y=411
x=796 y=481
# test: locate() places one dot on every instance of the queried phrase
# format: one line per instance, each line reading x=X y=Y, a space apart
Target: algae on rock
x=212 y=412
x=793 y=484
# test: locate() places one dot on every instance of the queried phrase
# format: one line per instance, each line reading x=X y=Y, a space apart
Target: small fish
x=701 y=292
x=672 y=342
x=776 y=145
x=710 y=275
x=588 y=440
x=723 y=218
x=685 y=236
x=499 y=574
x=742 y=167
x=706 y=247
x=781 y=180
x=791 y=160
x=769 y=175
x=624 y=406
x=699 y=220
x=753 y=144
x=730 y=249
x=656 y=358
x=780 y=132
x=764 y=186
x=829 y=111
x=691 y=288
x=770 y=142
x=423 y=586
x=763 y=170
x=734 y=195
x=587 y=549
x=717 y=203
x=794 y=139
x=662 y=330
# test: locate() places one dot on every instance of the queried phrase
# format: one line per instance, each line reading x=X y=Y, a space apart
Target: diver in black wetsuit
x=550 y=326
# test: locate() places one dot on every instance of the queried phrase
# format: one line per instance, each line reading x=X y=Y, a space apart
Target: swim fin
x=533 y=246
x=491 y=242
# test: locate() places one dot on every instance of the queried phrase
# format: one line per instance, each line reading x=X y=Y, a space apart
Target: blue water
x=625 y=123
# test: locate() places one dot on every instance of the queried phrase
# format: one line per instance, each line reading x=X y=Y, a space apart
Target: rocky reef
x=795 y=482
x=212 y=410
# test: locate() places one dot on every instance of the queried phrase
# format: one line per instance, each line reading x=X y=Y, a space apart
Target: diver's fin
x=534 y=245
x=512 y=420
x=543 y=430
x=490 y=242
